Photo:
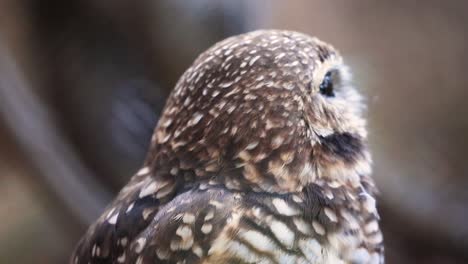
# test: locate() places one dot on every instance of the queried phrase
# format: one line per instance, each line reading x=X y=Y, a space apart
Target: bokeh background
x=82 y=83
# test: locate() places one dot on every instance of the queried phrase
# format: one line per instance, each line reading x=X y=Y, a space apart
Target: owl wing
x=124 y=219
x=142 y=230
x=204 y=225
x=211 y=224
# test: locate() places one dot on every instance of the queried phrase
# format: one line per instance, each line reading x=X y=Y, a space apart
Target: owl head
x=269 y=110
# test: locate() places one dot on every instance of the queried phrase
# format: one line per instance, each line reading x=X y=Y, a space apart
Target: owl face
x=267 y=110
x=338 y=129
x=335 y=106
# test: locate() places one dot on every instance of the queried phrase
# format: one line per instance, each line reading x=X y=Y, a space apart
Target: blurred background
x=82 y=84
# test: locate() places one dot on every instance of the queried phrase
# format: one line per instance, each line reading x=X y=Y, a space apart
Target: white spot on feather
x=198 y=251
x=252 y=145
x=186 y=235
x=113 y=219
x=277 y=141
x=360 y=256
x=225 y=84
x=318 y=228
x=253 y=60
x=330 y=214
x=209 y=215
x=302 y=226
x=371 y=227
x=281 y=55
x=140 y=244
x=284 y=208
x=195 y=119
x=188 y=218
x=297 y=199
x=376 y=238
x=129 y=208
x=124 y=241
x=311 y=250
x=258 y=240
x=369 y=202
x=148 y=190
x=121 y=258
x=143 y=171
x=206 y=228
x=282 y=233
x=164 y=191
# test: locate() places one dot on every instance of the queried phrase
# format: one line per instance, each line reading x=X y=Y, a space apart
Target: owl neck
x=285 y=161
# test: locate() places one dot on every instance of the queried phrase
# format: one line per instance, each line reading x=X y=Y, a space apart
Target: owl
x=260 y=156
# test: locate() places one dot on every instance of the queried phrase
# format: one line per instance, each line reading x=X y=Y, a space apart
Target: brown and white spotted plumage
x=260 y=156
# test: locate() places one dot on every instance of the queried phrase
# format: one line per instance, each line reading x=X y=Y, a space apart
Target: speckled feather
x=250 y=163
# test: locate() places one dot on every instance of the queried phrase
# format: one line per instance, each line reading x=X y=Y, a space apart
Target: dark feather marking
x=344 y=145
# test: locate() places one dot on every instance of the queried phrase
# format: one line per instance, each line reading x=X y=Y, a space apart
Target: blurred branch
x=36 y=132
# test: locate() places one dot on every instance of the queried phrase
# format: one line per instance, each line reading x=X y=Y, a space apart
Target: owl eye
x=326 y=87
